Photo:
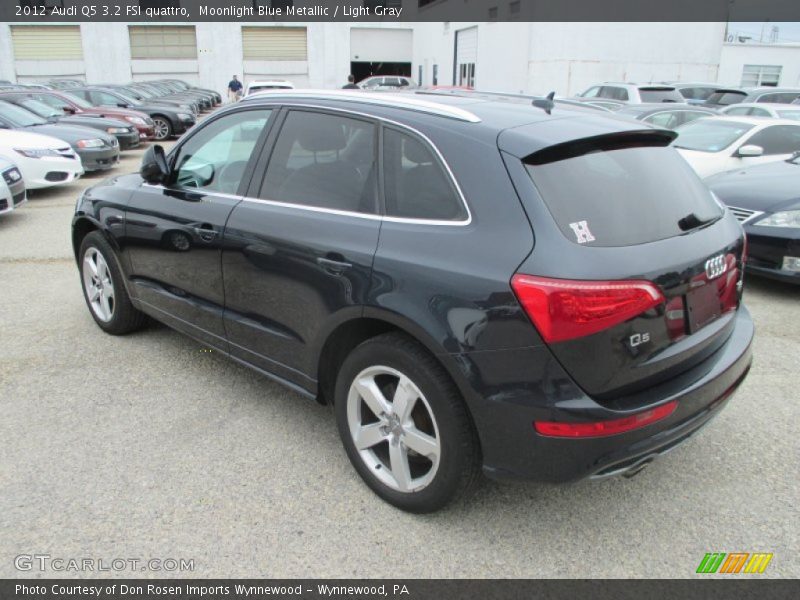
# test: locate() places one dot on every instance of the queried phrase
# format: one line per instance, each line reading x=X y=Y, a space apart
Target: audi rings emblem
x=716 y=266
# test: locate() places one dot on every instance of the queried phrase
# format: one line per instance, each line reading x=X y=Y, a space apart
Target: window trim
x=267 y=148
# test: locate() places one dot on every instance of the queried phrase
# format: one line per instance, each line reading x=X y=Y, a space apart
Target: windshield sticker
x=581 y=229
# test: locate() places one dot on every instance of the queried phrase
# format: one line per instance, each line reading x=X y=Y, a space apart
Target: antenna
x=546 y=103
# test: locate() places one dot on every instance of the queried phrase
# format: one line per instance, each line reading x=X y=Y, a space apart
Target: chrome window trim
x=347 y=213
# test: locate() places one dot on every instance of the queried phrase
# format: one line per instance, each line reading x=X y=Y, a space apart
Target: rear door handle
x=331 y=264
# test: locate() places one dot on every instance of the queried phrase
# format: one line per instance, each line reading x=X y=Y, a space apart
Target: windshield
x=790 y=114
x=19 y=117
x=623 y=197
x=40 y=108
x=77 y=100
x=709 y=135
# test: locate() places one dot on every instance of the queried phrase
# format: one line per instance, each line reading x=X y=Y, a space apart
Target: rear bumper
x=767 y=247
x=513 y=450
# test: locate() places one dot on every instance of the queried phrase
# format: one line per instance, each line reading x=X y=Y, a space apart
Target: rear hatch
x=635 y=276
x=659 y=93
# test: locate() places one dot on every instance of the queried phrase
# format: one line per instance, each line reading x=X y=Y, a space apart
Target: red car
x=73 y=105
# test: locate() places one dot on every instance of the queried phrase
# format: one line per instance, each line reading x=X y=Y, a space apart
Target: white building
x=503 y=56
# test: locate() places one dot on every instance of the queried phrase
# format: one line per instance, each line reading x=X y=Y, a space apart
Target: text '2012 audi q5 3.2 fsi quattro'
x=473 y=282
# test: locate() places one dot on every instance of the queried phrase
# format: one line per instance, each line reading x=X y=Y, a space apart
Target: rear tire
x=404 y=425
x=104 y=289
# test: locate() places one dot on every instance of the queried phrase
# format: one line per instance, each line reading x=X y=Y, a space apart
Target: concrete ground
x=148 y=447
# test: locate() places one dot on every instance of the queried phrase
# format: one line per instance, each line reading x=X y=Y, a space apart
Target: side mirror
x=123 y=105
x=154 y=167
x=750 y=150
x=68 y=110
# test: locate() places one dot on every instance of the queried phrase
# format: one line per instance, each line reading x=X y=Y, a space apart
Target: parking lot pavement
x=147 y=446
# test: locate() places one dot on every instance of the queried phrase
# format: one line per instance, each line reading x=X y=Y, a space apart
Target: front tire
x=404 y=425
x=103 y=287
x=162 y=128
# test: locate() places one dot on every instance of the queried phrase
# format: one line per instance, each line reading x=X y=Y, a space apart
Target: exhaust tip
x=638 y=467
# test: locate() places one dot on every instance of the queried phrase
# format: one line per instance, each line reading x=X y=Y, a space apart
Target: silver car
x=12 y=187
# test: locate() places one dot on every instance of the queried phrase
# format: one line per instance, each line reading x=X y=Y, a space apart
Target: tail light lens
x=564 y=309
x=603 y=428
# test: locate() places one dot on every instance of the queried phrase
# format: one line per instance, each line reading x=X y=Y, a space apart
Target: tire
x=423 y=451
x=162 y=128
x=103 y=287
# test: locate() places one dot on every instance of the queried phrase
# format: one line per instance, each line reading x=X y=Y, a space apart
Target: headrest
x=416 y=152
x=321 y=135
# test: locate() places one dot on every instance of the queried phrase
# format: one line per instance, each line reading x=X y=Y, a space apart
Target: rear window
x=710 y=135
x=623 y=197
x=726 y=98
x=660 y=95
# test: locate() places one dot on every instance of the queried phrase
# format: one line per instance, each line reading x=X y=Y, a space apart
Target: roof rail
x=379 y=99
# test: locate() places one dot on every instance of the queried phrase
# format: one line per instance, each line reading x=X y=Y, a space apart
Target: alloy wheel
x=393 y=429
x=98 y=285
x=161 y=128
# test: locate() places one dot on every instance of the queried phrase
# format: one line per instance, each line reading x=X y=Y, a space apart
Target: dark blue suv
x=475 y=282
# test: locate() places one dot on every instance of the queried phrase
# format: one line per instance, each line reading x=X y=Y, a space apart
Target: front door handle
x=334 y=265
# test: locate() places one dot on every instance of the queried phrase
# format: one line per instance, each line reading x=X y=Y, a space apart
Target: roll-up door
x=47 y=42
x=274 y=43
x=466 y=57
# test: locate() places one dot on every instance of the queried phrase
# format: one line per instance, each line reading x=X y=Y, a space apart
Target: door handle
x=330 y=264
x=206 y=232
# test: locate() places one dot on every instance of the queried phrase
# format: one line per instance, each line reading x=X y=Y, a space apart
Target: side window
x=104 y=99
x=323 y=160
x=739 y=111
x=778 y=139
x=691 y=115
x=215 y=158
x=592 y=92
x=52 y=101
x=415 y=183
x=81 y=94
x=758 y=112
x=668 y=120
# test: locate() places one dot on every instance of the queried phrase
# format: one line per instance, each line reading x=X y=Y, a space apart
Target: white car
x=718 y=144
x=272 y=84
x=12 y=187
x=44 y=161
x=763 y=109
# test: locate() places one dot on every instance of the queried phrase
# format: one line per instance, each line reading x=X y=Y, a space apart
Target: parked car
x=139 y=95
x=268 y=84
x=670 y=116
x=633 y=93
x=387 y=81
x=725 y=97
x=182 y=85
x=167 y=121
x=126 y=134
x=206 y=97
x=773 y=95
x=97 y=150
x=12 y=187
x=763 y=109
x=63 y=84
x=70 y=104
x=720 y=144
x=44 y=161
x=766 y=200
x=695 y=93
x=416 y=303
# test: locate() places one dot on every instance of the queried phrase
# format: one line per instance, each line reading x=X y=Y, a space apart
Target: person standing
x=351 y=83
x=234 y=89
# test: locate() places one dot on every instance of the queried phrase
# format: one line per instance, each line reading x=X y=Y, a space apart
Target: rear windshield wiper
x=692 y=221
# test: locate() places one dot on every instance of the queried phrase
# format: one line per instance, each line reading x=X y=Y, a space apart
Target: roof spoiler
x=601 y=143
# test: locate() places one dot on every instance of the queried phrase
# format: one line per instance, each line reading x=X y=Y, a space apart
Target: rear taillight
x=603 y=428
x=564 y=309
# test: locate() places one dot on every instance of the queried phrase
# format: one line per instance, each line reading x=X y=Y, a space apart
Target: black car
x=472 y=282
x=98 y=150
x=167 y=120
x=670 y=116
x=127 y=135
x=766 y=200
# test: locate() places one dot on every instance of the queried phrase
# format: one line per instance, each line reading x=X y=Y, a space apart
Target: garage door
x=380 y=45
x=274 y=43
x=466 y=56
x=46 y=42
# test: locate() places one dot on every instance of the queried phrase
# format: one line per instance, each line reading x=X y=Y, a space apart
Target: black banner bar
x=732 y=588
x=397 y=10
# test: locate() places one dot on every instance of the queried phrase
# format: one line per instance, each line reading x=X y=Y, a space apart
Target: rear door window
x=324 y=160
x=621 y=197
